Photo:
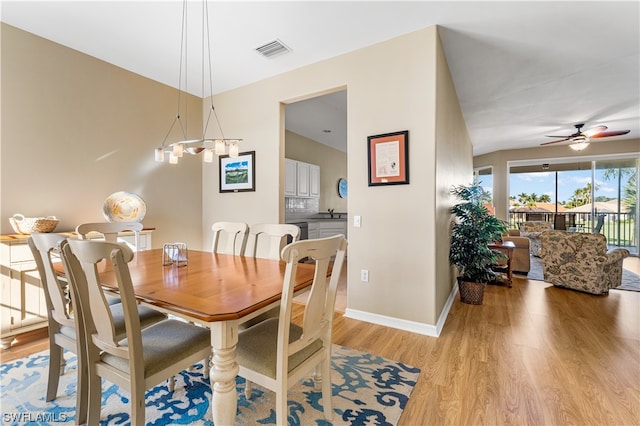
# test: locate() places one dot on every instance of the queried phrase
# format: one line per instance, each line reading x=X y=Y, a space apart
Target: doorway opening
x=315 y=153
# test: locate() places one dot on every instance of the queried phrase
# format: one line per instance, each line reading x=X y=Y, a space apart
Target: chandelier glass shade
x=207 y=146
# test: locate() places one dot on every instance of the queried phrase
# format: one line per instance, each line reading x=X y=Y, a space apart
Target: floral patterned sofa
x=580 y=261
x=532 y=230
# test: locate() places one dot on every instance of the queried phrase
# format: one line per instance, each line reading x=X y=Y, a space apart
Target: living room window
x=583 y=196
x=484 y=175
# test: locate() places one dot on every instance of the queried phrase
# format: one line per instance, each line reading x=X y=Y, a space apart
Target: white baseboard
x=400 y=324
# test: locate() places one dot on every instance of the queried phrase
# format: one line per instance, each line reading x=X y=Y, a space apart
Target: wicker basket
x=470 y=292
x=27 y=225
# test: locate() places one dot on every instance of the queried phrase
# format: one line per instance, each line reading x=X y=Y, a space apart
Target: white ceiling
x=521 y=69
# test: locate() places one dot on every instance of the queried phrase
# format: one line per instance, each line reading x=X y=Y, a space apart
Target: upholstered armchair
x=532 y=230
x=580 y=261
x=520 y=260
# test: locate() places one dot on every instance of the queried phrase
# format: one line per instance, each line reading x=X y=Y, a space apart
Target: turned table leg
x=224 y=369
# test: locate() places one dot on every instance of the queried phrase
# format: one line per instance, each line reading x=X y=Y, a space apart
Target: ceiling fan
x=580 y=137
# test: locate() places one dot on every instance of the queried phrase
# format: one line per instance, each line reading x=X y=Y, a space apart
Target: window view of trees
x=585 y=192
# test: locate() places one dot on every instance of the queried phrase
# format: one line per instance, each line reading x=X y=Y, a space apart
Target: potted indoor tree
x=473 y=230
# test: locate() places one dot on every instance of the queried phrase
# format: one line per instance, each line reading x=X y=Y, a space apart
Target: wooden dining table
x=219 y=292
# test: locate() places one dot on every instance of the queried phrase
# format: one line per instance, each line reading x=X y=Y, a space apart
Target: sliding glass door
x=597 y=196
x=615 y=203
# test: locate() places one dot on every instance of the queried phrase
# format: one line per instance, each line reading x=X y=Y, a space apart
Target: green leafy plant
x=472 y=231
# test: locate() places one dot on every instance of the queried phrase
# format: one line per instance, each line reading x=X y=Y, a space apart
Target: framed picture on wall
x=238 y=174
x=388 y=156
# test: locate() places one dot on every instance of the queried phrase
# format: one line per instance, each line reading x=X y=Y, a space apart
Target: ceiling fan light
x=579 y=146
x=208 y=155
x=172 y=158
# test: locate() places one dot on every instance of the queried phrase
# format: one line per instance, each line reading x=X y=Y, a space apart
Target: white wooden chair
x=148 y=356
x=276 y=353
x=266 y=240
x=235 y=235
x=65 y=329
x=110 y=230
x=65 y=318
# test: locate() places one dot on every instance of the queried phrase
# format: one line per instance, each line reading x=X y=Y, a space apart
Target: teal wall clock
x=342 y=188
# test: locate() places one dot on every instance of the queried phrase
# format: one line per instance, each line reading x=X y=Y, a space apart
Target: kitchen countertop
x=319 y=218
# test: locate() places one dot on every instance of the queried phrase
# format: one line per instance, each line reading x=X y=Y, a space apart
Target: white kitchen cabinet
x=313 y=230
x=329 y=228
x=24 y=306
x=290 y=177
x=314 y=181
x=301 y=179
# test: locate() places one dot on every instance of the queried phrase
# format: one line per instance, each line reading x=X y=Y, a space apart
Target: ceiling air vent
x=272 y=49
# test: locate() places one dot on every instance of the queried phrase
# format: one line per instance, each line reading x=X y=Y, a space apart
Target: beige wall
x=76 y=129
x=499 y=160
x=333 y=166
x=396 y=242
x=454 y=161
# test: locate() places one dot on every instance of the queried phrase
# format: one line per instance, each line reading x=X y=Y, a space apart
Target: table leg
x=509 y=270
x=224 y=369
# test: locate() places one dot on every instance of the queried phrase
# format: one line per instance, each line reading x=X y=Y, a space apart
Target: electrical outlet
x=364 y=275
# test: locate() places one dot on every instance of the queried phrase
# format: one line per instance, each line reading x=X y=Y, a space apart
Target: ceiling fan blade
x=594 y=131
x=561 y=140
x=558 y=136
x=611 y=133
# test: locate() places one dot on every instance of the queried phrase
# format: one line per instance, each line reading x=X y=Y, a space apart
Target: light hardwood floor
x=532 y=354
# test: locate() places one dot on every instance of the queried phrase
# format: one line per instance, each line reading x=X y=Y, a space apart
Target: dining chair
x=110 y=230
x=276 y=353
x=234 y=234
x=147 y=356
x=65 y=319
x=266 y=240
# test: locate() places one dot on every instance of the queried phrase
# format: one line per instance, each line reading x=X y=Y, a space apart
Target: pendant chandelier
x=207 y=146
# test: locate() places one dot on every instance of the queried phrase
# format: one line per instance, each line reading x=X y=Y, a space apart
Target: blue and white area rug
x=367 y=389
x=630 y=281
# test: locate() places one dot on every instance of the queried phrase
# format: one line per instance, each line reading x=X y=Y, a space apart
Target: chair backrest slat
x=44 y=247
x=236 y=234
x=110 y=230
x=82 y=258
x=318 y=313
x=268 y=239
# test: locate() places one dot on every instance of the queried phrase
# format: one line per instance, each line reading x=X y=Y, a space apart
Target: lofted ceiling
x=521 y=70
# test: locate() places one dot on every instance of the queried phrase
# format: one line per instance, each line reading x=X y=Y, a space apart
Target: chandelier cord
x=205 y=18
x=183 y=51
x=209 y=146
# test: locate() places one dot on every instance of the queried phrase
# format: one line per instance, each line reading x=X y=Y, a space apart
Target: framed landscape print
x=388 y=156
x=238 y=174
